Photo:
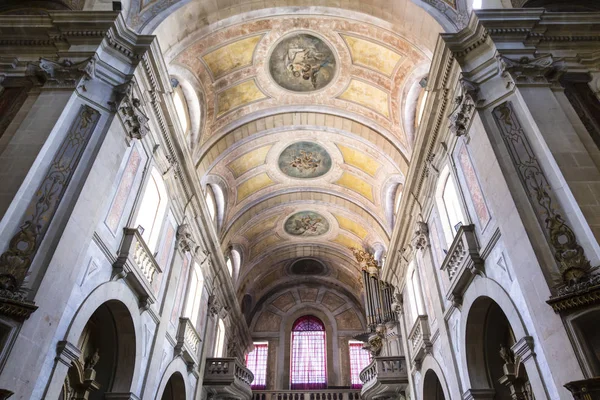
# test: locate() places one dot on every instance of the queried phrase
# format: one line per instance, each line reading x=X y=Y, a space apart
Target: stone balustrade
x=136 y=264
x=419 y=339
x=462 y=263
x=317 y=394
x=384 y=377
x=227 y=378
x=188 y=343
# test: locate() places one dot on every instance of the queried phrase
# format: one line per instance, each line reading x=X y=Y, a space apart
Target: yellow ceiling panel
x=253 y=185
x=231 y=56
x=260 y=227
x=264 y=244
x=351 y=226
x=368 y=96
x=248 y=161
x=372 y=55
x=236 y=96
x=359 y=159
x=346 y=241
x=356 y=184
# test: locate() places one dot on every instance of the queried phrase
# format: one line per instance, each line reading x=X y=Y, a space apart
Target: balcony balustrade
x=227 y=378
x=322 y=394
x=462 y=263
x=419 y=340
x=384 y=377
x=136 y=264
x=188 y=343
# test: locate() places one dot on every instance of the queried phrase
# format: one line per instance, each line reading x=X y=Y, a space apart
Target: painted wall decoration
x=474 y=188
x=302 y=63
x=306 y=223
x=304 y=160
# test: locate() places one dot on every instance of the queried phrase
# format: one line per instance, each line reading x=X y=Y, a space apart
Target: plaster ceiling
x=302 y=128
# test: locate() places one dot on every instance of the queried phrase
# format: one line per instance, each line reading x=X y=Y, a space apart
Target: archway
x=175 y=388
x=491 y=362
x=432 y=388
x=107 y=360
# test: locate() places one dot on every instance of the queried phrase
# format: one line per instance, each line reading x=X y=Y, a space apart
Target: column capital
x=67 y=352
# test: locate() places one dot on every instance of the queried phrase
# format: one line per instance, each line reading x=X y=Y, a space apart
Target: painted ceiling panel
x=237 y=96
x=346 y=241
x=231 y=56
x=356 y=184
x=359 y=159
x=368 y=96
x=372 y=55
x=253 y=185
x=351 y=226
x=248 y=161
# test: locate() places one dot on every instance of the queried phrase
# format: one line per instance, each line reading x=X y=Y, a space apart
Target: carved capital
x=67 y=353
x=421 y=238
x=530 y=71
x=465 y=104
x=62 y=74
x=132 y=114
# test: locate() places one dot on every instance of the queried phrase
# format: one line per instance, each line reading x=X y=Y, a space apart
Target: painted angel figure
x=305 y=63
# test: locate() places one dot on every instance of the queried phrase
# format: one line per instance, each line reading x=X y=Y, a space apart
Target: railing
x=322 y=394
x=384 y=376
x=136 y=264
x=188 y=342
x=419 y=340
x=227 y=377
x=462 y=263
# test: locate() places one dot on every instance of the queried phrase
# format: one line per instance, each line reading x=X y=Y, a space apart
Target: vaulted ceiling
x=302 y=125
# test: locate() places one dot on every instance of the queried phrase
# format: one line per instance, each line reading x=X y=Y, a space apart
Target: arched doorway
x=175 y=388
x=491 y=362
x=432 y=388
x=107 y=359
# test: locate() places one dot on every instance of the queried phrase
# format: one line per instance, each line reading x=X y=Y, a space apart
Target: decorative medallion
x=302 y=63
x=306 y=223
x=304 y=160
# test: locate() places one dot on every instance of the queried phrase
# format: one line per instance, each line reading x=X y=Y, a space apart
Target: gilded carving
x=569 y=255
x=16 y=260
x=366 y=260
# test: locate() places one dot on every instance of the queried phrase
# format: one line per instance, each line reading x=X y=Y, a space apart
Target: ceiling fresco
x=304 y=160
x=302 y=129
x=302 y=63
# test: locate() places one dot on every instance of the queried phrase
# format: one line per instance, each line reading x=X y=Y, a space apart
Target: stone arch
x=488 y=308
x=127 y=306
x=432 y=367
x=175 y=375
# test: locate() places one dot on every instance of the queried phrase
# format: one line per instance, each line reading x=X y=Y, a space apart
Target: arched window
x=192 y=307
x=220 y=339
x=308 y=366
x=181 y=109
x=152 y=209
x=448 y=203
x=211 y=202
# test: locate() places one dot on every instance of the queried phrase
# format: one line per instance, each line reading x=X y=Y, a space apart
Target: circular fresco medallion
x=308 y=266
x=306 y=223
x=304 y=160
x=302 y=63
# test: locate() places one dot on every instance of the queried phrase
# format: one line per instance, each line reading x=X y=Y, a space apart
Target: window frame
x=355 y=382
x=261 y=355
x=308 y=331
x=152 y=234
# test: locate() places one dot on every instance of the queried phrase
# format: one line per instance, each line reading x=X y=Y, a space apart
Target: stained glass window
x=309 y=366
x=359 y=359
x=256 y=361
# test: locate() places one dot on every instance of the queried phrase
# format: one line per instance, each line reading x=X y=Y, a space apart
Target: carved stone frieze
x=466 y=102
x=16 y=260
x=421 y=239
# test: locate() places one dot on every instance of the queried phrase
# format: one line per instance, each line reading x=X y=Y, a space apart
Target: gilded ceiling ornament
x=366 y=260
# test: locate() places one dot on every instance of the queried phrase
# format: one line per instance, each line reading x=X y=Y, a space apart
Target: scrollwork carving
x=421 y=238
x=528 y=70
x=132 y=114
x=185 y=239
x=366 y=260
x=466 y=103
